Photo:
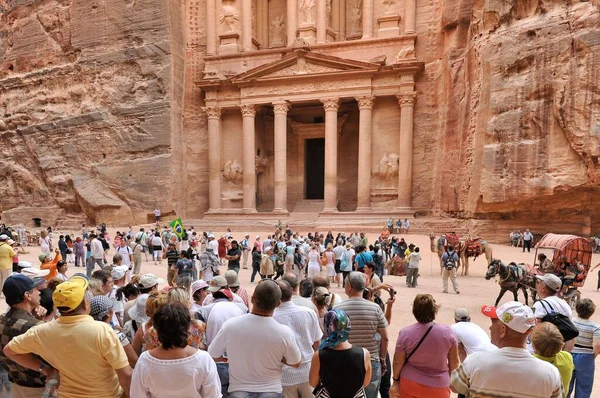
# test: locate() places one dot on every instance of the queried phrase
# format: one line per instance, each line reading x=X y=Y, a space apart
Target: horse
x=512 y=278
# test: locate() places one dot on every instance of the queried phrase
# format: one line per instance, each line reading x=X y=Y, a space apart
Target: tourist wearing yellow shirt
x=87 y=354
x=6 y=259
x=547 y=345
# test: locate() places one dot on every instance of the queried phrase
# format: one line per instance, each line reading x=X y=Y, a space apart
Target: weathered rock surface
x=507 y=120
x=86 y=89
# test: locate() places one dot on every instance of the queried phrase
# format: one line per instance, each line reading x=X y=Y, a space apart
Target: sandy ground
x=475 y=291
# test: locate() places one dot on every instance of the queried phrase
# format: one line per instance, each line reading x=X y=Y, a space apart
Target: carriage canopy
x=571 y=246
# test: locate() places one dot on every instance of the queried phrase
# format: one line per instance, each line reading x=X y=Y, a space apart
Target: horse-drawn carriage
x=515 y=277
x=571 y=247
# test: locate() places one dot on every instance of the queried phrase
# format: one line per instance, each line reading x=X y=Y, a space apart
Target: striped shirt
x=506 y=372
x=366 y=318
x=588 y=331
x=305 y=325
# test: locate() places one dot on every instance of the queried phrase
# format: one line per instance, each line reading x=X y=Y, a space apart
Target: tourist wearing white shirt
x=96 y=256
x=305 y=325
x=548 y=286
x=471 y=337
x=174 y=369
x=257 y=346
x=509 y=371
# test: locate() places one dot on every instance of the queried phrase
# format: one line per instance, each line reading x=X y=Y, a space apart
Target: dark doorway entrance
x=315 y=168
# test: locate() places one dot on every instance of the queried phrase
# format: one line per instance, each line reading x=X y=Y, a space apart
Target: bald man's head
x=286 y=290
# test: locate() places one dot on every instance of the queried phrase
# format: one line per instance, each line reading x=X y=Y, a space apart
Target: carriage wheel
x=574 y=299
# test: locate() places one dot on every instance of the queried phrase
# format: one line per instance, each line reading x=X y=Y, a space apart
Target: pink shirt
x=429 y=364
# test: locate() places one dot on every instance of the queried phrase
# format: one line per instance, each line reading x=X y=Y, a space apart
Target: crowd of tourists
x=114 y=330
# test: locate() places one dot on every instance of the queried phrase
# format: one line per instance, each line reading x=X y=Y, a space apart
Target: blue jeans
x=244 y=394
x=89 y=267
x=223 y=371
x=372 y=390
x=583 y=375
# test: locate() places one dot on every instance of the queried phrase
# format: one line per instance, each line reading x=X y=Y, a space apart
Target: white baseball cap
x=550 y=280
x=513 y=314
x=119 y=272
x=32 y=272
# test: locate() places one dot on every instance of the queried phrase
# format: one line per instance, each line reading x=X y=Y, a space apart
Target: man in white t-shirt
x=471 y=337
x=509 y=371
x=215 y=315
x=257 y=346
x=548 y=286
x=305 y=325
x=126 y=253
x=212 y=243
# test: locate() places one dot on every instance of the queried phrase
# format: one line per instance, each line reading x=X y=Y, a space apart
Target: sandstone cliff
x=515 y=88
x=87 y=88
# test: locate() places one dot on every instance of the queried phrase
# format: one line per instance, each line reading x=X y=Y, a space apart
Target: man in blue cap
x=23 y=297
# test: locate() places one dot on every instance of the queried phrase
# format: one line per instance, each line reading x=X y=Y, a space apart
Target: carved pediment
x=303 y=62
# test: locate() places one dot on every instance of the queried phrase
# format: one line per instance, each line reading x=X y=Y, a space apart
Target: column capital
x=281 y=107
x=407 y=99
x=248 y=110
x=212 y=112
x=331 y=104
x=365 y=101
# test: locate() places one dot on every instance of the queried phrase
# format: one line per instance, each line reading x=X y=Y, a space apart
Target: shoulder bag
x=419 y=344
x=568 y=330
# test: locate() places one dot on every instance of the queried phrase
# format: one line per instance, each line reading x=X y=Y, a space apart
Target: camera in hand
x=392 y=293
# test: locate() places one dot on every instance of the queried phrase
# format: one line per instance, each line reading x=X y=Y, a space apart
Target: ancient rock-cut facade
x=486 y=109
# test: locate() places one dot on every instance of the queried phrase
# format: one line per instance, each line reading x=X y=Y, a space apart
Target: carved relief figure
x=388 y=166
x=232 y=171
x=328 y=13
x=306 y=11
x=229 y=17
x=277 y=31
x=260 y=164
x=387 y=4
x=356 y=17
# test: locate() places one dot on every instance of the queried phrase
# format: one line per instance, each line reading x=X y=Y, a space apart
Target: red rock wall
x=510 y=110
x=90 y=88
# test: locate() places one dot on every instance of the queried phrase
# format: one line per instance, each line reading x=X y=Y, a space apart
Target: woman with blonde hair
x=314 y=265
x=426 y=353
x=330 y=262
x=321 y=299
x=45 y=242
x=155 y=300
x=196 y=331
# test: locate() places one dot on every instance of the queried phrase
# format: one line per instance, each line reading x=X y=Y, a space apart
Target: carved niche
x=277 y=31
x=307 y=10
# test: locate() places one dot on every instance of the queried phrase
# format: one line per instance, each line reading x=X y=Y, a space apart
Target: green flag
x=177 y=226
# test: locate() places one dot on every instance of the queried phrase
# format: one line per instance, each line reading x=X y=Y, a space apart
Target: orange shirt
x=51 y=266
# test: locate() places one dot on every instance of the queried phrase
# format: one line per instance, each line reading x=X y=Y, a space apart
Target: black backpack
x=568 y=330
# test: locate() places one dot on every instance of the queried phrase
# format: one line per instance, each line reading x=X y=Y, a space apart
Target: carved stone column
x=331 y=106
x=248 y=157
x=365 y=105
x=280 y=148
x=321 y=21
x=213 y=114
x=410 y=16
x=292 y=21
x=246 y=25
x=367 y=19
x=342 y=19
x=407 y=104
x=211 y=27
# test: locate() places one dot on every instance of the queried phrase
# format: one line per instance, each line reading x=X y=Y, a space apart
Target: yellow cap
x=68 y=295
